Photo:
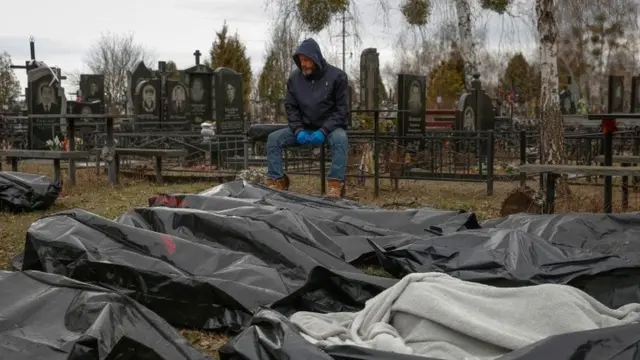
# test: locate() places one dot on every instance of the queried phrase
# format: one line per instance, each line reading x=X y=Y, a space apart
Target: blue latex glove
x=317 y=138
x=303 y=138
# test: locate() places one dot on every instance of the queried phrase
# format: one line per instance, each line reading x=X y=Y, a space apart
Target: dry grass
x=94 y=194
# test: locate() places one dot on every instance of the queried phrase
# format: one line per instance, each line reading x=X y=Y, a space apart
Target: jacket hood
x=310 y=49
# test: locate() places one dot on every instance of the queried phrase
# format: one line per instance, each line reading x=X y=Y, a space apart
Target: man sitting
x=317 y=106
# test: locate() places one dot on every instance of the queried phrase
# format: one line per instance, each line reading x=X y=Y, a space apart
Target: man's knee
x=278 y=137
x=338 y=137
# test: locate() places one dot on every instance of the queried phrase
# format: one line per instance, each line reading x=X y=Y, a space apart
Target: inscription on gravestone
x=43 y=98
x=229 y=102
x=411 y=103
x=616 y=94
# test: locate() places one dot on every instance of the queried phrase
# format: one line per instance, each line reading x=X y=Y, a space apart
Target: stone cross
x=197 y=55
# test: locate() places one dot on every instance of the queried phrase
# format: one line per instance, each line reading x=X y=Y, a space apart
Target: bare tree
x=551 y=120
x=113 y=55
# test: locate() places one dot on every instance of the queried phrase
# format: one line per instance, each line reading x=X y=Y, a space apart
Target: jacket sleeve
x=293 y=109
x=340 y=114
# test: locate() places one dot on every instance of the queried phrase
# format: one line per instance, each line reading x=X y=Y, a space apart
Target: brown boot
x=336 y=189
x=281 y=184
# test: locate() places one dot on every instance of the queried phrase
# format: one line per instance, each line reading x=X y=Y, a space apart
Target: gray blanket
x=436 y=315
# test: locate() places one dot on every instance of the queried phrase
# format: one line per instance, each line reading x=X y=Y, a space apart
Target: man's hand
x=303 y=137
x=317 y=138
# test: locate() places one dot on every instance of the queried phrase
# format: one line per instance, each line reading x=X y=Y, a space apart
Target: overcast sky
x=173 y=29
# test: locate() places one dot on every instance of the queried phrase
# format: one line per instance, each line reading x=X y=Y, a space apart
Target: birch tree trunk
x=551 y=120
x=467 y=45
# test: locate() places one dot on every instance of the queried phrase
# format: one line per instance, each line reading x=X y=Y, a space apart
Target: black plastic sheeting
x=272 y=337
x=210 y=260
x=46 y=316
x=20 y=192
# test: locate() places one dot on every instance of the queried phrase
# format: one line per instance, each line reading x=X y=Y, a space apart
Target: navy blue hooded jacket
x=320 y=100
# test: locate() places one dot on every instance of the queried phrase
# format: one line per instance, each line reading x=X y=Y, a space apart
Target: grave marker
x=140 y=72
x=200 y=81
x=148 y=100
x=370 y=79
x=616 y=94
x=229 y=102
x=92 y=87
x=635 y=94
x=412 y=106
x=44 y=97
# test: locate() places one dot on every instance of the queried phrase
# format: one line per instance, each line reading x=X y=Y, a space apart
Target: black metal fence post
x=490 y=156
x=608 y=180
x=523 y=156
x=376 y=154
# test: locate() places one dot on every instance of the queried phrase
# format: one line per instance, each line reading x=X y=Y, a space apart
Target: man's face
x=149 y=95
x=47 y=94
x=94 y=88
x=230 y=91
x=179 y=94
x=306 y=64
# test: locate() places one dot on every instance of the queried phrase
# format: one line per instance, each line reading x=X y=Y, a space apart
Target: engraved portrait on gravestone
x=178 y=98
x=86 y=110
x=617 y=100
x=415 y=103
x=197 y=90
x=149 y=98
x=46 y=100
x=93 y=89
x=231 y=93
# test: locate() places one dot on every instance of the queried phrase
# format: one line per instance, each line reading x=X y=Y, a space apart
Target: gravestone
x=370 y=79
x=147 y=100
x=229 y=102
x=200 y=82
x=475 y=110
x=140 y=72
x=615 y=97
x=412 y=106
x=92 y=87
x=635 y=94
x=44 y=98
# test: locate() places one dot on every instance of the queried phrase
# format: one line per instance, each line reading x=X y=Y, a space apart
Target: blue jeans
x=277 y=140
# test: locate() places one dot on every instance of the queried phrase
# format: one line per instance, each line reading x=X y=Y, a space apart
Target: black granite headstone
x=44 y=98
x=635 y=94
x=92 y=87
x=229 y=102
x=370 y=79
x=616 y=94
x=200 y=81
x=412 y=106
x=138 y=73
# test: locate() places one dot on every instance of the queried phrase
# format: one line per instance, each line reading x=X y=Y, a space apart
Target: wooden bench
x=158 y=154
x=552 y=172
x=16 y=155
